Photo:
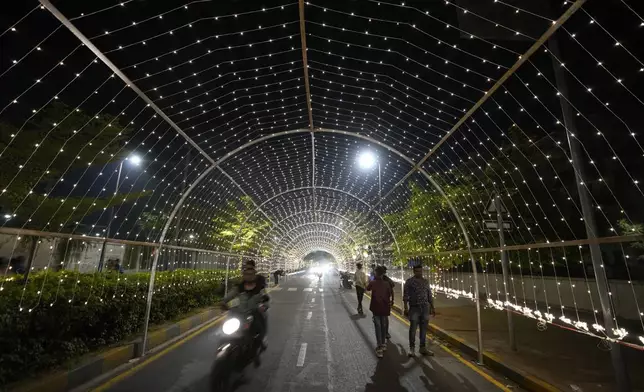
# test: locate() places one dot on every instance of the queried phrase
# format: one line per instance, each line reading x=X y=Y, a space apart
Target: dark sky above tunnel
x=383 y=69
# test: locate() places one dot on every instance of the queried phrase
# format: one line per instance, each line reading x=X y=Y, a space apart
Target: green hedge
x=59 y=316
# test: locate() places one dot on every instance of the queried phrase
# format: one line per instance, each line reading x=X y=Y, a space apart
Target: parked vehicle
x=345 y=280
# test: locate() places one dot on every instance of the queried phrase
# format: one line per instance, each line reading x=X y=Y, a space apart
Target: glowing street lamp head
x=367 y=160
x=135 y=160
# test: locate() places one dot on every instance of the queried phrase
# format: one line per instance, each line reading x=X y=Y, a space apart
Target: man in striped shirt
x=419 y=304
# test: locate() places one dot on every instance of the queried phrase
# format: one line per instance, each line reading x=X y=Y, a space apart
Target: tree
x=56 y=142
x=234 y=226
x=427 y=225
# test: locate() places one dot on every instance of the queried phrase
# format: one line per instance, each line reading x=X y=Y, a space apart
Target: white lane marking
x=292 y=289
x=302 y=355
x=327 y=348
x=308 y=316
x=276 y=289
x=308 y=289
x=320 y=290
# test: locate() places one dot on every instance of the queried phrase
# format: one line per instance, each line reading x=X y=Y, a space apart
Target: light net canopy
x=188 y=123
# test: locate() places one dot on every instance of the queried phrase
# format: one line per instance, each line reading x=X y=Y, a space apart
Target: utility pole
x=505 y=268
x=101 y=259
x=577 y=158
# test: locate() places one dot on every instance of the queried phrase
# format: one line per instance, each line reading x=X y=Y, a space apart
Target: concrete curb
x=93 y=368
x=524 y=380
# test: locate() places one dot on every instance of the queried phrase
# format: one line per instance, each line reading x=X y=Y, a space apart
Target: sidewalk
x=566 y=359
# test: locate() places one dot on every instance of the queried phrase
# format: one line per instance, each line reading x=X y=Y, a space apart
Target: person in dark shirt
x=252 y=284
x=393 y=301
x=381 y=301
x=419 y=305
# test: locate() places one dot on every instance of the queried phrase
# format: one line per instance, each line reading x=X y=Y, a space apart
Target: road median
x=105 y=362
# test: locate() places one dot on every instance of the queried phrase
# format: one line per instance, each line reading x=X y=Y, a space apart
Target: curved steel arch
x=393 y=236
x=329 y=239
x=350 y=134
x=261 y=245
x=309 y=244
x=310 y=224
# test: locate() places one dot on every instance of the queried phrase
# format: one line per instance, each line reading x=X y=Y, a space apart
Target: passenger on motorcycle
x=254 y=300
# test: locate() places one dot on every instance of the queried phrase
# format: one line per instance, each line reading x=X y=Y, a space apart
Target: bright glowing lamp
x=367 y=160
x=135 y=160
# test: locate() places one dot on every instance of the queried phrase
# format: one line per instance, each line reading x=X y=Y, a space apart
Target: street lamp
x=133 y=160
x=367 y=160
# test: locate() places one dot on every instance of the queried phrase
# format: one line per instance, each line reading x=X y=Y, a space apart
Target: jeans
x=360 y=293
x=418 y=318
x=381 y=324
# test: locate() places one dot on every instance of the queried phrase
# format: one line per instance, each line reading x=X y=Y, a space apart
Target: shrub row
x=59 y=316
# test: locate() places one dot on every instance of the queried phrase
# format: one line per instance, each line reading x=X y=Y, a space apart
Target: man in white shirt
x=360 y=279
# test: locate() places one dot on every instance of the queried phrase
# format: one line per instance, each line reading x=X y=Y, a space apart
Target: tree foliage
x=60 y=316
x=235 y=227
x=36 y=156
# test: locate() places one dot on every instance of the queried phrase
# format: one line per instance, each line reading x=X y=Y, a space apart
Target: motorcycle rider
x=254 y=286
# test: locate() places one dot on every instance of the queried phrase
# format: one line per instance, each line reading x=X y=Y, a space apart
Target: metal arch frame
x=316 y=187
x=320 y=211
x=284 y=235
x=309 y=245
x=300 y=253
x=261 y=245
x=328 y=236
x=292 y=240
x=337 y=132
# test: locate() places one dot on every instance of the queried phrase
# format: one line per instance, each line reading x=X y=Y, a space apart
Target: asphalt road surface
x=317 y=342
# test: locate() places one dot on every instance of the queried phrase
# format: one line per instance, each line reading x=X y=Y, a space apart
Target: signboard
x=491 y=206
x=493 y=225
x=492 y=210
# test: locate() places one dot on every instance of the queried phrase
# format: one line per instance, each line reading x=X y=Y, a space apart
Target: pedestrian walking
x=418 y=305
x=360 y=280
x=393 y=301
x=381 y=301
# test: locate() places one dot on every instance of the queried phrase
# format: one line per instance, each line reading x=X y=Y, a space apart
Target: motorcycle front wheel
x=221 y=375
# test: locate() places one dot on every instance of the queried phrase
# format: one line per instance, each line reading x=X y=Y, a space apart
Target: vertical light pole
x=366 y=161
x=622 y=379
x=505 y=267
x=136 y=161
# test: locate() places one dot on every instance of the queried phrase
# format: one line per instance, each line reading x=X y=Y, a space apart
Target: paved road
x=339 y=354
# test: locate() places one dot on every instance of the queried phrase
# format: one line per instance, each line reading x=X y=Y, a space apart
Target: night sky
x=403 y=74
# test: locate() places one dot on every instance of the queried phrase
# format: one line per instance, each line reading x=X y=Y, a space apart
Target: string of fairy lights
x=404 y=83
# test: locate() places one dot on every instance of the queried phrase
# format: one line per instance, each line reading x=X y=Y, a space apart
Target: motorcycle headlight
x=231 y=326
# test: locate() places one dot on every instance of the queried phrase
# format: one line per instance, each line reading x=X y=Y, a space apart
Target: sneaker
x=411 y=352
x=383 y=347
x=379 y=352
x=425 y=351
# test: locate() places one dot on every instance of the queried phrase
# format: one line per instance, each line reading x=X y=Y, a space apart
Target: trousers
x=418 y=319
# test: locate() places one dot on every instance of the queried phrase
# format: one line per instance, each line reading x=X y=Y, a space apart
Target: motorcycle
x=238 y=346
x=346 y=280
